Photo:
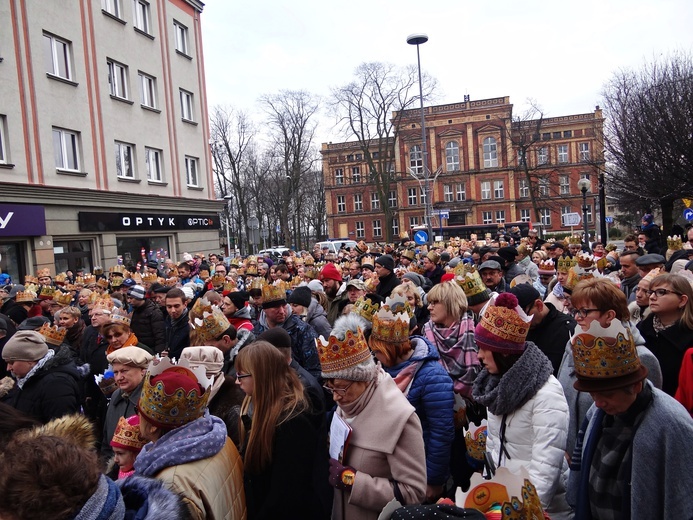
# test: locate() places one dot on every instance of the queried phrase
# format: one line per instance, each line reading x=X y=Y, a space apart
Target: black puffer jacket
x=50 y=392
x=148 y=325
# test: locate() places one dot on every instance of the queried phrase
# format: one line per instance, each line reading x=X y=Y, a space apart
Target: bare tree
x=649 y=134
x=370 y=109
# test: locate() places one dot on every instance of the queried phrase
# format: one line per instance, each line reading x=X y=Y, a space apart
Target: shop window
x=138 y=250
x=72 y=255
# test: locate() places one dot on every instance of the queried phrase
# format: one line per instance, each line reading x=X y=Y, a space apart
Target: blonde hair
x=406 y=290
x=451 y=296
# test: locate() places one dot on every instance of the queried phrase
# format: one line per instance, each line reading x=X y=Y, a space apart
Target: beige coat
x=212 y=488
x=386 y=443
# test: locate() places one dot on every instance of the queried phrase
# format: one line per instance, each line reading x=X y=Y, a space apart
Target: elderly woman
x=385 y=456
x=83 y=300
x=118 y=334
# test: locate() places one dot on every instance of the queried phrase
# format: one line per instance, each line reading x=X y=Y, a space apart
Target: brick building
x=475 y=152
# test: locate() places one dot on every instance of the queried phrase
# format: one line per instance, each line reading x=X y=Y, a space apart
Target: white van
x=336 y=244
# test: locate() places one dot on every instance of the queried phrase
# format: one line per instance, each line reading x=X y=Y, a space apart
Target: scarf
x=558 y=291
x=354 y=408
x=457 y=351
x=105 y=504
x=505 y=394
x=658 y=326
x=197 y=440
x=405 y=377
x=132 y=341
x=38 y=366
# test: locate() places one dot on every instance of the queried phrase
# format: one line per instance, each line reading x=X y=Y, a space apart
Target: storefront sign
x=145 y=222
x=22 y=220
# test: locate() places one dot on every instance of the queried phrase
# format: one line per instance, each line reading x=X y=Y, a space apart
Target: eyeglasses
x=582 y=313
x=242 y=376
x=338 y=391
x=661 y=292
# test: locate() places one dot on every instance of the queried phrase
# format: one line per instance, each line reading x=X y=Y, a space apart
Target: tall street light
x=418 y=39
x=584 y=185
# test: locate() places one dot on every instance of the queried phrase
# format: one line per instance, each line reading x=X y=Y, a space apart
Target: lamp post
x=583 y=186
x=228 y=199
x=418 y=39
x=602 y=213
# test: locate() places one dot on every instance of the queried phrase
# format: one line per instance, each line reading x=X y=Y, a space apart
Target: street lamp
x=584 y=185
x=418 y=39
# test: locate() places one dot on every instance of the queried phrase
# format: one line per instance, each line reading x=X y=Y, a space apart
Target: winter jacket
x=552 y=334
x=431 y=396
x=241 y=319
x=150 y=500
x=513 y=270
x=435 y=275
x=51 y=392
x=93 y=352
x=316 y=317
x=386 y=284
x=148 y=325
x=177 y=335
x=120 y=406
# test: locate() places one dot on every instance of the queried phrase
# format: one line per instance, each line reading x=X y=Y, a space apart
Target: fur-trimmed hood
x=142 y=494
x=75 y=428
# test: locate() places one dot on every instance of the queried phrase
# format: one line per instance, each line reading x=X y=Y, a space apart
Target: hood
x=315 y=310
x=243 y=313
x=150 y=499
x=61 y=362
x=423 y=349
x=75 y=428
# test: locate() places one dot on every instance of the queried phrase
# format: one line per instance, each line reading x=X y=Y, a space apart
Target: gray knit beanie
x=25 y=345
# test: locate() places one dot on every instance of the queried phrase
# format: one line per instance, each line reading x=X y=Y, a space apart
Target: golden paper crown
x=60 y=279
x=409 y=254
x=218 y=280
x=98 y=270
x=564 y=263
x=602 y=263
x=311 y=273
x=396 y=304
x=296 y=281
x=574 y=240
x=54 y=335
x=149 y=277
x=127 y=434
x=575 y=276
x=62 y=298
x=585 y=260
x=137 y=277
x=258 y=283
x=103 y=303
x=117 y=269
x=73 y=287
x=25 y=296
x=230 y=285
x=390 y=327
x=365 y=308
x=273 y=293
x=235 y=262
x=418 y=269
x=547 y=266
x=251 y=260
x=207 y=323
x=475 y=440
x=46 y=292
x=367 y=260
x=43 y=272
x=251 y=270
x=173 y=400
x=103 y=283
x=28 y=279
x=121 y=317
x=89 y=279
x=471 y=284
x=171 y=282
x=336 y=355
x=649 y=276
x=674 y=243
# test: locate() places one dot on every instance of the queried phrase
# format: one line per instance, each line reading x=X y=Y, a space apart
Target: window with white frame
x=490 y=153
x=564 y=211
x=360 y=229
x=377 y=228
x=66 y=149
x=341 y=204
x=192 y=171
x=544 y=187
x=545 y=215
x=452 y=156
x=339 y=176
x=395 y=226
x=448 y=194
x=413 y=221
x=589 y=213
x=186 y=105
x=147 y=90
x=375 y=201
x=542 y=155
x=125 y=160
x=525 y=215
x=562 y=153
x=356 y=174
x=57 y=52
x=487 y=217
x=460 y=191
x=524 y=188
x=500 y=216
x=154 y=170
x=392 y=199
x=4 y=159
x=181 y=33
x=142 y=17
x=118 y=79
x=564 y=184
x=485 y=190
x=112 y=7
x=498 y=190
x=411 y=196
x=584 y=151
x=416 y=160
x=422 y=196
x=358 y=202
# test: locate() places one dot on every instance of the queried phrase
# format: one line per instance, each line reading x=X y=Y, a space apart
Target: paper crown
x=472 y=285
x=258 y=283
x=585 y=260
x=127 y=434
x=574 y=240
x=103 y=283
x=674 y=243
x=41 y=273
x=230 y=285
x=311 y=273
x=273 y=293
x=207 y=323
x=251 y=260
x=547 y=267
x=251 y=270
x=46 y=292
x=120 y=317
x=54 y=335
x=564 y=263
x=171 y=282
x=361 y=247
x=365 y=308
x=117 y=269
x=396 y=304
x=60 y=279
x=295 y=282
x=649 y=276
x=98 y=270
x=309 y=260
x=576 y=275
x=103 y=303
x=173 y=394
x=149 y=277
x=235 y=262
x=336 y=356
x=390 y=327
x=88 y=279
x=218 y=280
x=62 y=298
x=475 y=441
x=367 y=260
x=25 y=296
x=606 y=358
x=410 y=254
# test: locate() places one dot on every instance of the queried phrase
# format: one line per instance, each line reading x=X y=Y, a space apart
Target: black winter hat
x=507 y=253
x=238 y=298
x=300 y=296
x=526 y=294
x=386 y=261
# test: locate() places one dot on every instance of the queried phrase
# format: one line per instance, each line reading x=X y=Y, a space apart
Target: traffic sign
x=571 y=219
x=443 y=213
x=688 y=214
x=687 y=202
x=609 y=220
x=421 y=237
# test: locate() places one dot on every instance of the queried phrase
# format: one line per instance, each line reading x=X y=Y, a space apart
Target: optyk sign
x=144 y=222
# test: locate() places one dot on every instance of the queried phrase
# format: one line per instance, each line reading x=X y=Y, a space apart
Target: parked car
x=334 y=245
x=275 y=253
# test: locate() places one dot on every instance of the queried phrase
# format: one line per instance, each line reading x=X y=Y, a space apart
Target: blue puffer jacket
x=431 y=394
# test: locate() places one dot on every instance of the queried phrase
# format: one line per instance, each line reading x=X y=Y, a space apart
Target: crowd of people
x=321 y=385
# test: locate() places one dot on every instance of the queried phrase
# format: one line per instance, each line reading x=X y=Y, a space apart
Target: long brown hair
x=277 y=397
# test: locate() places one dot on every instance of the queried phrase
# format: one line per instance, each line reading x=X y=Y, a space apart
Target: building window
x=66 y=149
x=377 y=228
x=392 y=199
x=359 y=157
x=395 y=227
x=356 y=174
x=153 y=160
x=57 y=52
x=546 y=136
x=448 y=195
x=191 y=171
x=589 y=213
x=544 y=187
x=186 y=105
x=545 y=215
x=341 y=204
x=147 y=90
x=125 y=163
x=3 y=146
x=118 y=79
x=411 y=196
x=452 y=156
x=525 y=215
x=375 y=201
x=350 y=157
x=490 y=153
x=181 y=32
x=422 y=196
x=141 y=18
x=112 y=7
x=524 y=189
x=584 y=151
x=416 y=160
x=556 y=135
x=498 y=190
x=567 y=133
x=487 y=217
x=413 y=221
x=339 y=176
x=360 y=230
x=461 y=192
x=564 y=184
x=500 y=216
x=562 y=152
x=485 y=190
x=542 y=155
x=358 y=202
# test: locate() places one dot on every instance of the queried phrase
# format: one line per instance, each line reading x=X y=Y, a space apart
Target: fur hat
x=503 y=327
x=386 y=261
x=348 y=358
x=300 y=296
x=25 y=345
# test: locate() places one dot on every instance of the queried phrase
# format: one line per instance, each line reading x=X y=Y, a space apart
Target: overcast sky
x=557 y=52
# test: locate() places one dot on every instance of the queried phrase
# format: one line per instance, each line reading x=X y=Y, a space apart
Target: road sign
x=421 y=237
x=687 y=202
x=442 y=213
x=571 y=219
x=609 y=220
x=688 y=214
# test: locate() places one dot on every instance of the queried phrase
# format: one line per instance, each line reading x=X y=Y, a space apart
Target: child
x=126 y=444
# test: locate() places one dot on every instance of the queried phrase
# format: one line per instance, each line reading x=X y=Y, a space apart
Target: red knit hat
x=330 y=272
x=447 y=277
x=502 y=328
